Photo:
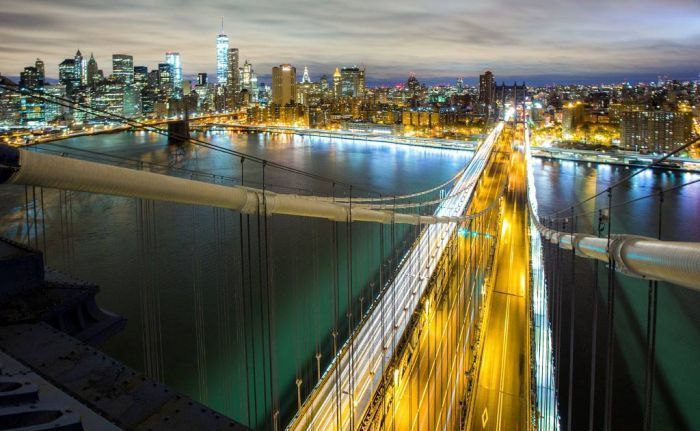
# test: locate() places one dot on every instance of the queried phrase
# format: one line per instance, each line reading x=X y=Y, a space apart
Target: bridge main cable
x=18 y=166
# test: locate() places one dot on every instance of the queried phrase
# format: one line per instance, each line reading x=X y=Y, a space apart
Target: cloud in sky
x=391 y=38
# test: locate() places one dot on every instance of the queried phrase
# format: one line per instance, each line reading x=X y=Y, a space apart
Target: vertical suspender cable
x=572 y=323
x=559 y=286
x=71 y=243
x=351 y=380
x=222 y=338
x=36 y=224
x=62 y=251
x=609 y=365
x=198 y=312
x=43 y=224
x=594 y=333
x=393 y=276
x=249 y=307
x=651 y=337
x=26 y=215
x=382 y=310
x=336 y=311
x=158 y=319
x=274 y=402
x=261 y=308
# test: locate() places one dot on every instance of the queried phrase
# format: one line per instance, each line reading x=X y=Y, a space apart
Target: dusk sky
x=552 y=40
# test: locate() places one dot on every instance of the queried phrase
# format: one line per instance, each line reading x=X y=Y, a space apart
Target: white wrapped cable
x=30 y=168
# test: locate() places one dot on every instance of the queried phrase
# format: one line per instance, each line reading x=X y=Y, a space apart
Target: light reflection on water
x=560 y=185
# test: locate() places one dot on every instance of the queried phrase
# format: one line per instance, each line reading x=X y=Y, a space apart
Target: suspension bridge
x=464 y=329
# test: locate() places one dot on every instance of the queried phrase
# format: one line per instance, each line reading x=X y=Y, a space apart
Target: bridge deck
x=429 y=392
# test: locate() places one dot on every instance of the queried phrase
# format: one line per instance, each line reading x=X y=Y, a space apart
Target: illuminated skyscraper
x=123 y=68
x=165 y=76
x=412 y=84
x=655 y=131
x=337 y=88
x=140 y=76
x=92 y=70
x=352 y=81
x=40 y=70
x=31 y=108
x=487 y=89
x=132 y=101
x=306 y=79
x=80 y=73
x=232 y=78
x=66 y=75
x=51 y=110
x=284 y=80
x=573 y=116
x=222 y=56
x=30 y=79
x=249 y=81
x=173 y=59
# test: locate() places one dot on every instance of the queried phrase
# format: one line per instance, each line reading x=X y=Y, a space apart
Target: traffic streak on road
x=501 y=400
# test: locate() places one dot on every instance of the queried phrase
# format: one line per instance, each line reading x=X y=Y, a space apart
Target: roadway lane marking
x=503 y=366
x=515 y=295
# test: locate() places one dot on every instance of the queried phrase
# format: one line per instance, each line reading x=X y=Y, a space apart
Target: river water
x=196 y=295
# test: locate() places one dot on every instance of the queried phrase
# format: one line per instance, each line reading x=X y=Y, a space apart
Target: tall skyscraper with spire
x=337 y=77
x=222 y=56
x=92 y=70
x=306 y=79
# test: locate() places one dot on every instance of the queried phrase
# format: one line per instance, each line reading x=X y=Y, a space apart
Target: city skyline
x=610 y=43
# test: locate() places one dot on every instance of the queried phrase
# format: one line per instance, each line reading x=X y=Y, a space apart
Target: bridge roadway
x=501 y=400
x=432 y=386
x=339 y=400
